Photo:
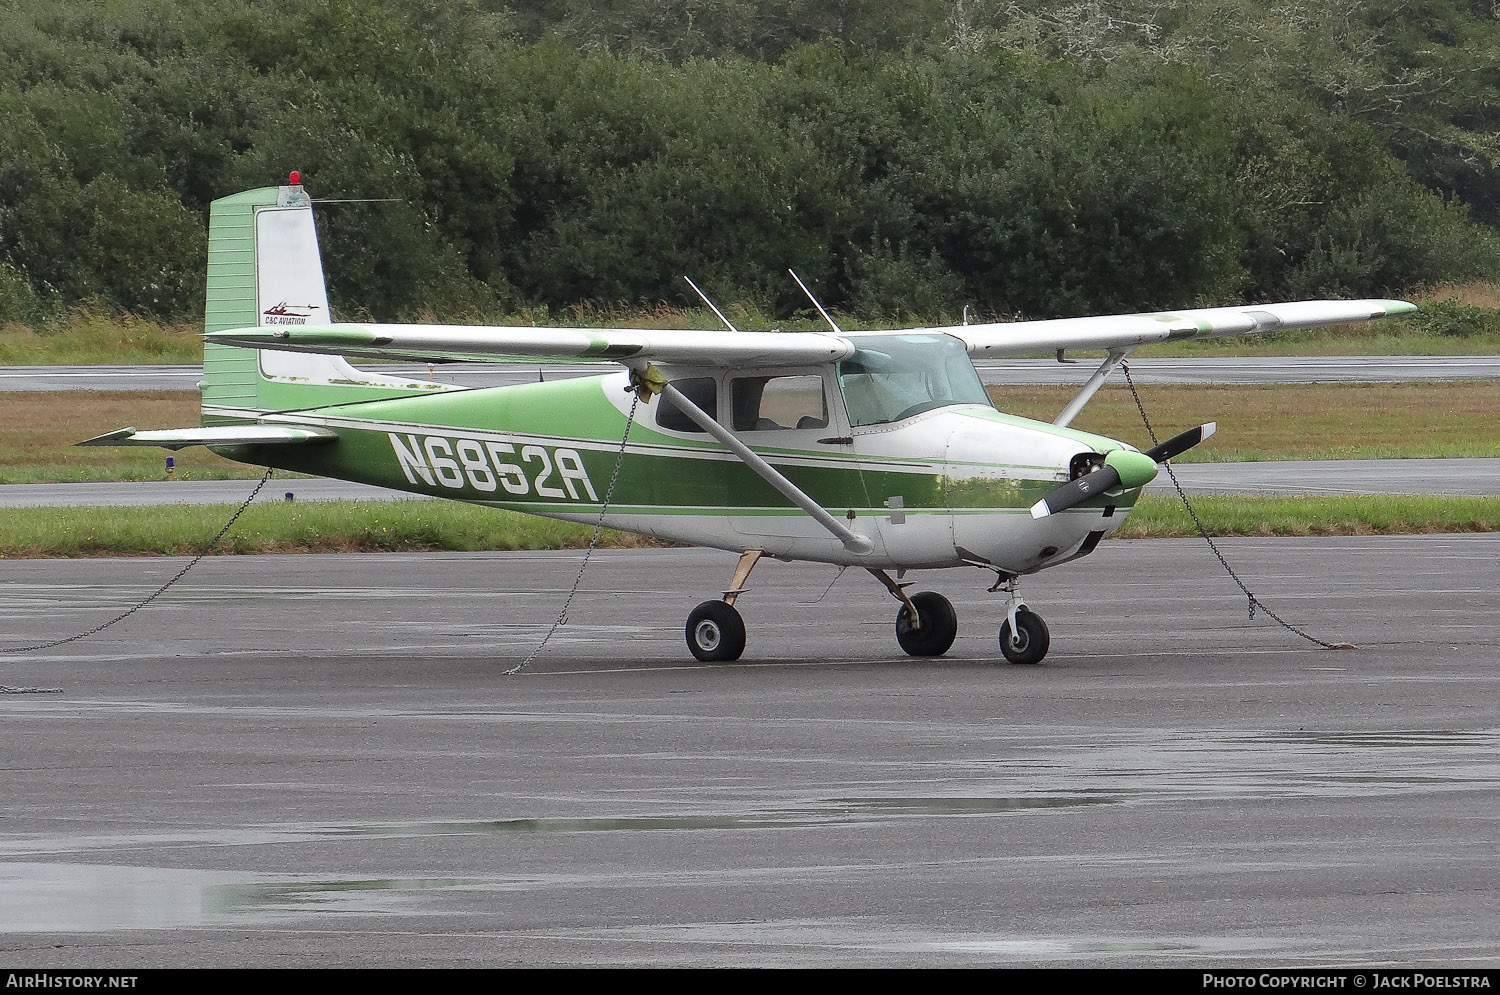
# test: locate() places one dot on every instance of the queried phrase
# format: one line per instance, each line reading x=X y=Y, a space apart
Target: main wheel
x=1031 y=639
x=939 y=625
x=716 y=632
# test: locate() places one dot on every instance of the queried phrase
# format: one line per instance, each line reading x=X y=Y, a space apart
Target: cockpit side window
x=702 y=391
x=779 y=403
x=891 y=377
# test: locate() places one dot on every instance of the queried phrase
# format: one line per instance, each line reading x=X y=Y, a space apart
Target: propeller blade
x=1077 y=491
x=1178 y=444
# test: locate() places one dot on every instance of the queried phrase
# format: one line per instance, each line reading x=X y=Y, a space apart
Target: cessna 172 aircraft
x=878 y=450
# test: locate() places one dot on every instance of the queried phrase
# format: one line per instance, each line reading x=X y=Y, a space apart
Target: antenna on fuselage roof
x=814 y=300
x=710 y=304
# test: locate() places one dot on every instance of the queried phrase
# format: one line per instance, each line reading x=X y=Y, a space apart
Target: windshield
x=891 y=377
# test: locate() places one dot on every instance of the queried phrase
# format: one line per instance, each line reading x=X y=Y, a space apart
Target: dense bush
x=906 y=159
x=1450 y=317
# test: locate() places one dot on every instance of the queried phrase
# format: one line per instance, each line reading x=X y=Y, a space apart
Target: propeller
x=1120 y=466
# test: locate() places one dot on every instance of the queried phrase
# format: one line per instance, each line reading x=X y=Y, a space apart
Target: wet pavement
x=319 y=761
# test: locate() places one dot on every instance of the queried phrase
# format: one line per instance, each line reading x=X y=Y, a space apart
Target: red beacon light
x=295 y=178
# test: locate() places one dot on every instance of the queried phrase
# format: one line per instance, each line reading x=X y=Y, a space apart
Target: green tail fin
x=264 y=269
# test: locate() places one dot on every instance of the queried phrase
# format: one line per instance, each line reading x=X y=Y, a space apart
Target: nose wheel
x=1026 y=640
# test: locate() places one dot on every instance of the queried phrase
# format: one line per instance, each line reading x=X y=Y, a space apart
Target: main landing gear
x=926 y=625
x=715 y=631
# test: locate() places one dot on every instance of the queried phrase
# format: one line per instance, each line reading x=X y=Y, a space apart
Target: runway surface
x=1474 y=477
x=318 y=761
x=1196 y=370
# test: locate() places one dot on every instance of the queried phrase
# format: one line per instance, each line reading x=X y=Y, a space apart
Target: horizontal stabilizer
x=218 y=435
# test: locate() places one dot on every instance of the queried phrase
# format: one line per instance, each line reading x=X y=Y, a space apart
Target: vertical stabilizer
x=264 y=268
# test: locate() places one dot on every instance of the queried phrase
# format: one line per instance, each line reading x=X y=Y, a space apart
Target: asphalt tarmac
x=319 y=761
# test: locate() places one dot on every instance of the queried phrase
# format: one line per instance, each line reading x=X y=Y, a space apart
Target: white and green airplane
x=878 y=450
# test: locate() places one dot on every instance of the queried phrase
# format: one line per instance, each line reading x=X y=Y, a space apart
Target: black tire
x=715 y=632
x=939 y=625
x=1031 y=641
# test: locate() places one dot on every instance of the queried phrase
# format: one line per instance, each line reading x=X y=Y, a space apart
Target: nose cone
x=1135 y=469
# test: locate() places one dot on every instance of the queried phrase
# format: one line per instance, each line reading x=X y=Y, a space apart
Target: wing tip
x=108 y=438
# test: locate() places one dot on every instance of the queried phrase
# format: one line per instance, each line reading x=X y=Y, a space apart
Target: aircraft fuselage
x=945 y=486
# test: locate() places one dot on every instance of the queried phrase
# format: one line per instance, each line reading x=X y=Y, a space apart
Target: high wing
x=491 y=343
x=1125 y=331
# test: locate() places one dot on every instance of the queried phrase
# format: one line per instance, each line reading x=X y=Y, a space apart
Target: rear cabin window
x=769 y=404
x=702 y=391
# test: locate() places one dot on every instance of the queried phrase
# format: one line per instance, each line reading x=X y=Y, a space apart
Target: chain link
x=204 y=551
x=1253 y=603
x=562 y=615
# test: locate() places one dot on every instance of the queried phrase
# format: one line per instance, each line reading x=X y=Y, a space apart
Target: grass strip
x=303 y=527
x=1158 y=517
x=1290 y=421
x=403 y=526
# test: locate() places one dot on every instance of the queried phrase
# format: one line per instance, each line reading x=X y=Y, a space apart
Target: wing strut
x=853 y=541
x=1091 y=387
